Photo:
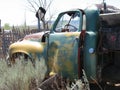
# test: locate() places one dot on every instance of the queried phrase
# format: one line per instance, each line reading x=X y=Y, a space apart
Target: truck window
x=68 y=22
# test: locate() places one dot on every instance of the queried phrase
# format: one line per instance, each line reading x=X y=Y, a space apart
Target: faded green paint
x=90 y=59
x=66 y=50
x=60 y=49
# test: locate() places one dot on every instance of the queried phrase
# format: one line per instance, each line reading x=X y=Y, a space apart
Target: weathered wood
x=8 y=37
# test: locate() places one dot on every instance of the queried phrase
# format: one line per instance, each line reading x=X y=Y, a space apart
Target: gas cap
x=91 y=50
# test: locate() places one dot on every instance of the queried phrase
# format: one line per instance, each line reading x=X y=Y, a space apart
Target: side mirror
x=40 y=13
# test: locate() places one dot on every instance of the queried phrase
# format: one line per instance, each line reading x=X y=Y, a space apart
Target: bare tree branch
x=32 y=5
x=45 y=5
x=40 y=2
x=30 y=9
x=36 y=3
x=49 y=5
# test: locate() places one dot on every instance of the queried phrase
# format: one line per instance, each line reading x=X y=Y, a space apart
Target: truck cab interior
x=68 y=22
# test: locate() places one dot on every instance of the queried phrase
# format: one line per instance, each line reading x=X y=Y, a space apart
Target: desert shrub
x=27 y=77
x=21 y=77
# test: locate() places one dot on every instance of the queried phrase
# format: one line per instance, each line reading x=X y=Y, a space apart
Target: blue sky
x=15 y=11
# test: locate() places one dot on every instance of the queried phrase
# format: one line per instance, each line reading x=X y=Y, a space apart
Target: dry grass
x=19 y=77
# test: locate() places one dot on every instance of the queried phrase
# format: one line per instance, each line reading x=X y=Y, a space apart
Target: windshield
x=69 y=22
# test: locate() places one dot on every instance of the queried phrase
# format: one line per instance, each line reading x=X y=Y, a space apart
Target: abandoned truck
x=78 y=40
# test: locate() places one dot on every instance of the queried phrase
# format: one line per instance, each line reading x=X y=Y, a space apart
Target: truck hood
x=35 y=36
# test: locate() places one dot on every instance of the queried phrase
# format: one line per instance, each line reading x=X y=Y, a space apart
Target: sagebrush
x=21 y=77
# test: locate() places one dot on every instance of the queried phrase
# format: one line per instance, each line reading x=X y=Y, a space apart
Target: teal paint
x=67 y=57
x=63 y=47
x=92 y=19
x=90 y=59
